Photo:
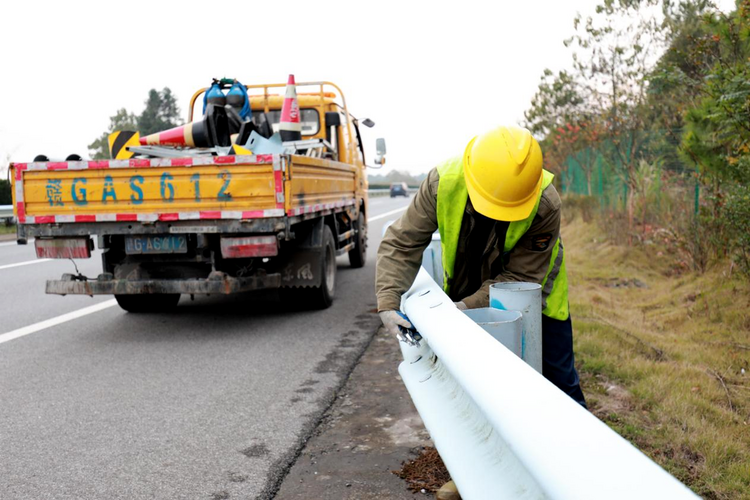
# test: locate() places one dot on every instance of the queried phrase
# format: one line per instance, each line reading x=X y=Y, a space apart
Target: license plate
x=155 y=244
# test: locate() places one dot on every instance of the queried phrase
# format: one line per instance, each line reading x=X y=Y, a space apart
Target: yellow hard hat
x=503 y=172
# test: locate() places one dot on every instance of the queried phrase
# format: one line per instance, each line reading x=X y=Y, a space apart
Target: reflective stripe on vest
x=451 y=204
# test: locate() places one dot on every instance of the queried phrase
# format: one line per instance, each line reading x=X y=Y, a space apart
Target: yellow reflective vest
x=451 y=203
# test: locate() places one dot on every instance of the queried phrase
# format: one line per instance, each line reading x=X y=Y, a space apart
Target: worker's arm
x=400 y=252
x=530 y=258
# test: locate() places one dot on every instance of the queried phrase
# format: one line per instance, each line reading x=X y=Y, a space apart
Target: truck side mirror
x=380 y=151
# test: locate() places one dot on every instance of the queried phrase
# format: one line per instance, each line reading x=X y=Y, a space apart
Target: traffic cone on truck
x=211 y=130
x=289 y=124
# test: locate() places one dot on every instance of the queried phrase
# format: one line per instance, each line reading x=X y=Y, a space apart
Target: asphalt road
x=211 y=401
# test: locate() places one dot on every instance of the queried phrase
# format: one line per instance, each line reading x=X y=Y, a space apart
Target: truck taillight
x=249 y=246
x=63 y=248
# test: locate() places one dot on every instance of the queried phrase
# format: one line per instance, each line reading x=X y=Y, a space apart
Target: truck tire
x=149 y=303
x=321 y=296
x=358 y=254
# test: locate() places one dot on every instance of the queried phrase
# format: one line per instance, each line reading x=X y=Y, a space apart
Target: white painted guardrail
x=501 y=428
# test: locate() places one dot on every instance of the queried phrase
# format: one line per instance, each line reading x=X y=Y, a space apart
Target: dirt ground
x=368 y=432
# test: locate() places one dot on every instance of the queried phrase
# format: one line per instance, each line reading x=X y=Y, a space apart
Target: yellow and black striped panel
x=239 y=150
x=118 y=142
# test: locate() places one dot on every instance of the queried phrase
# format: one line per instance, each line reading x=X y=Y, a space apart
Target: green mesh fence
x=599 y=171
x=591 y=172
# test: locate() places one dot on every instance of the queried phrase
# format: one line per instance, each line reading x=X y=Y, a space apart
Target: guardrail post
x=526 y=298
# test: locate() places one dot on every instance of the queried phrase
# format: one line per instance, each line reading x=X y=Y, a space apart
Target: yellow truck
x=216 y=222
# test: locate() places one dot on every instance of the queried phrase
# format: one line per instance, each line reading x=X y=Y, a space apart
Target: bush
x=578 y=205
x=737 y=219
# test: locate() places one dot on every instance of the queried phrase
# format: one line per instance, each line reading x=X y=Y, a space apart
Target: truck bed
x=221 y=188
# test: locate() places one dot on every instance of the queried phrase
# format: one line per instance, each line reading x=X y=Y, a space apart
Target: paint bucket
x=526 y=298
x=505 y=326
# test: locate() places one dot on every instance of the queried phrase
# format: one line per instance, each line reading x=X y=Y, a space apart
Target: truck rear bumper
x=219 y=283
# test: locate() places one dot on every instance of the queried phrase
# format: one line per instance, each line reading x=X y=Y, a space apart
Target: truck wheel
x=358 y=254
x=321 y=297
x=149 y=303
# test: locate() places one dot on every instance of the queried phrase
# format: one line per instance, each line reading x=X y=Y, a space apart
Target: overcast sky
x=430 y=74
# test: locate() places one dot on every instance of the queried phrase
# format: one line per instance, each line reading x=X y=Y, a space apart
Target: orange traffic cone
x=289 y=124
x=210 y=131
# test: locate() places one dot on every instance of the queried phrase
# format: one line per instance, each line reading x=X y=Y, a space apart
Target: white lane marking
x=387 y=214
x=26 y=263
x=9 y=243
x=64 y=318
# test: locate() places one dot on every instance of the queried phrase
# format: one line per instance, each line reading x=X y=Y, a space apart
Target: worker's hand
x=391 y=321
x=461 y=306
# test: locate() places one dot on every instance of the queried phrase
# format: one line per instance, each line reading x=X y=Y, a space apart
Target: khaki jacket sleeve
x=530 y=258
x=400 y=252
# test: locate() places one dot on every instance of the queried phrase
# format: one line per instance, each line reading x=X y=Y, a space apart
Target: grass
x=5 y=229
x=664 y=357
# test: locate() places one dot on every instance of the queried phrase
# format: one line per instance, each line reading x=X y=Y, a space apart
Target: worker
x=498 y=215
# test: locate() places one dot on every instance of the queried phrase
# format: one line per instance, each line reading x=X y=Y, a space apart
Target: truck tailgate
x=220 y=187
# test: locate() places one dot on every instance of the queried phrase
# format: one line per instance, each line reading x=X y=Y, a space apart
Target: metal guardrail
x=385 y=192
x=6 y=213
x=501 y=428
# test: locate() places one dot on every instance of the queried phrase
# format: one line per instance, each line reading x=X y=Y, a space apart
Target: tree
x=614 y=52
x=558 y=101
x=677 y=80
x=160 y=113
x=717 y=129
x=561 y=116
x=122 y=120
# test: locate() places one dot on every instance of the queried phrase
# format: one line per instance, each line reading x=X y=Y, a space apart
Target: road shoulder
x=370 y=429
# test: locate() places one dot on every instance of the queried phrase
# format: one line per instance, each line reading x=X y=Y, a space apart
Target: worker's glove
x=461 y=306
x=392 y=320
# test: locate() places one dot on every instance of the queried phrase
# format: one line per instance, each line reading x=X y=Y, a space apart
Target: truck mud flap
x=217 y=283
x=302 y=268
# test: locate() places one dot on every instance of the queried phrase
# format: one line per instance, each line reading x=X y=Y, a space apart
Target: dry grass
x=664 y=356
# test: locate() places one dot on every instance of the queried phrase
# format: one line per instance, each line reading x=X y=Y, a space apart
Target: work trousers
x=557 y=357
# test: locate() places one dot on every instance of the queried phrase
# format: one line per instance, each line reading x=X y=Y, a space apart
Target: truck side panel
x=219 y=187
x=319 y=184
x=152 y=190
